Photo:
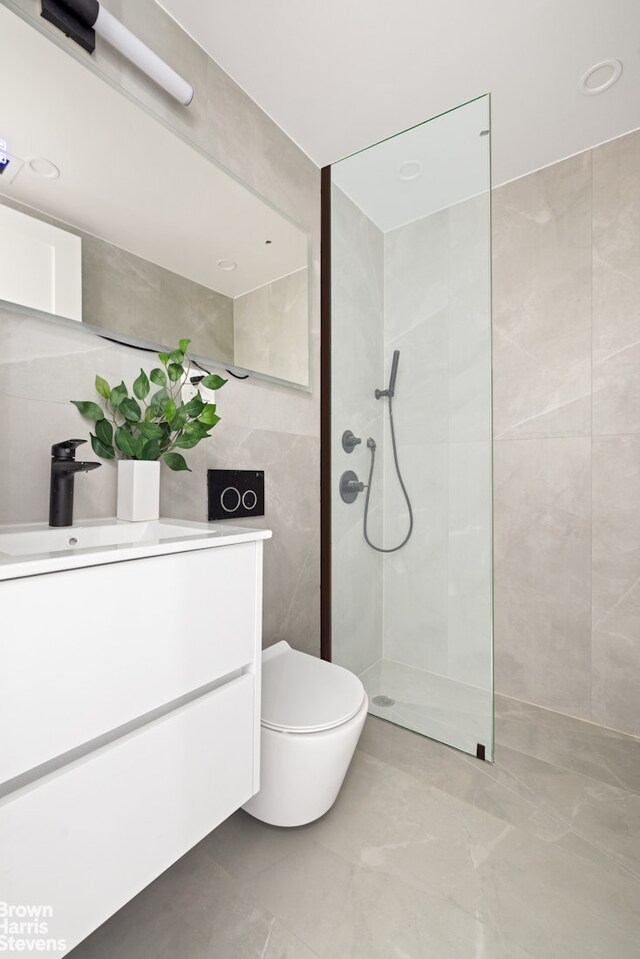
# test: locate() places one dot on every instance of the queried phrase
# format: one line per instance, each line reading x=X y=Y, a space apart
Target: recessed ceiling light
x=409 y=170
x=227 y=264
x=43 y=167
x=600 y=77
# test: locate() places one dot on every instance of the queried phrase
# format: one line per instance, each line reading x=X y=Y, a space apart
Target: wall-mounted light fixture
x=81 y=20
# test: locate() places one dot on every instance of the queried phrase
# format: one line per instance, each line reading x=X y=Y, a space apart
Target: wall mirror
x=113 y=221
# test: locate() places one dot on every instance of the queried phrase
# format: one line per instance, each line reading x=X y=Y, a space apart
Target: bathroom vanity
x=129 y=706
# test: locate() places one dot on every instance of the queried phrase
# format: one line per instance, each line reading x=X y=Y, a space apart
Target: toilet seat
x=302 y=694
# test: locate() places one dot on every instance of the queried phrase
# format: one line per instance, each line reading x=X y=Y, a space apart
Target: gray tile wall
x=566 y=306
x=357 y=248
x=437 y=589
x=42 y=366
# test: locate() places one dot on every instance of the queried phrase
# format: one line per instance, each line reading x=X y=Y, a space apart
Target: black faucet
x=63 y=472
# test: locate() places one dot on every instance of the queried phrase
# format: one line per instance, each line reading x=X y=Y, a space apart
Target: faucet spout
x=64 y=466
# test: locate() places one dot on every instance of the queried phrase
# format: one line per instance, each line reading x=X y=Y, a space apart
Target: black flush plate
x=234 y=494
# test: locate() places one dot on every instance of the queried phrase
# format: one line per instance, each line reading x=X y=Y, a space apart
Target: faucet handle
x=66 y=449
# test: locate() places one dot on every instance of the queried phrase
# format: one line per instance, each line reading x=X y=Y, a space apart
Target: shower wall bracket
x=350 y=441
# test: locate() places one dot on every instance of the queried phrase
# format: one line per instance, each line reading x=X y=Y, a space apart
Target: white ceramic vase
x=138 y=490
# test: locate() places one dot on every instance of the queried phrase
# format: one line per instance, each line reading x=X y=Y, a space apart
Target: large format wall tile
x=542 y=572
x=541 y=302
x=437 y=588
x=357 y=305
x=616 y=286
x=549 y=209
x=469 y=331
x=616 y=582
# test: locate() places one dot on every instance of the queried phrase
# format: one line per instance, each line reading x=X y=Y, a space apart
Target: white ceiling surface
x=340 y=75
x=449 y=156
x=126 y=178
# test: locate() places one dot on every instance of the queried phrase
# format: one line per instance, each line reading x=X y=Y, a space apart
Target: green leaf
x=170 y=410
x=104 y=432
x=164 y=358
x=141 y=386
x=151 y=431
x=150 y=450
x=212 y=382
x=208 y=415
x=183 y=345
x=175 y=461
x=195 y=428
x=130 y=410
x=187 y=441
x=118 y=394
x=195 y=406
x=158 y=376
x=103 y=387
x=91 y=410
x=101 y=449
x=175 y=371
x=178 y=421
x=148 y=414
x=176 y=357
x=158 y=403
x=127 y=443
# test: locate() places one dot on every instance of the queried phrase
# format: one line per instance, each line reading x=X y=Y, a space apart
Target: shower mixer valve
x=350 y=486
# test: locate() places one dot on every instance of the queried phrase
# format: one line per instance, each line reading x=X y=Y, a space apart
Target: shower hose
x=372 y=447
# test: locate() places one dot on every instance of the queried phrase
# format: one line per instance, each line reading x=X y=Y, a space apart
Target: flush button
x=230 y=499
x=234 y=494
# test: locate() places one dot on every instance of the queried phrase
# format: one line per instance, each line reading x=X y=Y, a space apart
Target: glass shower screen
x=411 y=554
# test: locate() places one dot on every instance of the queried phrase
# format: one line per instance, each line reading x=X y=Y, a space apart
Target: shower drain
x=383 y=701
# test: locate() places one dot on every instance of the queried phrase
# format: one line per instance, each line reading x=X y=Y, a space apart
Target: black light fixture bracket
x=81 y=20
x=75 y=19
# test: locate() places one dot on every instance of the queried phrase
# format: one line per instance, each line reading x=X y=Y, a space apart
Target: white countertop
x=153 y=538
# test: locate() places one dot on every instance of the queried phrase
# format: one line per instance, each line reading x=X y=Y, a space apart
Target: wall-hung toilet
x=312 y=716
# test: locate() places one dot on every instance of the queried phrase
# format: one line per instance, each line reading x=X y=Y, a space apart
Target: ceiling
x=429 y=168
x=342 y=74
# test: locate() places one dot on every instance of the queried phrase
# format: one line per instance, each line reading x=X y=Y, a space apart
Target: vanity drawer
x=90 y=836
x=155 y=629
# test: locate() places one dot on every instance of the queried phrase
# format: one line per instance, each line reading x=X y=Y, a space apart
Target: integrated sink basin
x=32 y=542
x=33 y=549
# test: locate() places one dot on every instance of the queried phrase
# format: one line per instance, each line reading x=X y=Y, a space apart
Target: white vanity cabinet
x=130 y=716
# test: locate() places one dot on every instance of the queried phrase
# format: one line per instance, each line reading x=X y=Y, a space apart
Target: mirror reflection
x=110 y=219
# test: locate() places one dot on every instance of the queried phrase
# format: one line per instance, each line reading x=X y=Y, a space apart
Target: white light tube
x=126 y=43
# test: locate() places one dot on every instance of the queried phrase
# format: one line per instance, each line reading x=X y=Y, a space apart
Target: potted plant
x=139 y=428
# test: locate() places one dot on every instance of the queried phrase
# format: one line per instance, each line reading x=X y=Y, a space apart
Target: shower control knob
x=350 y=486
x=349 y=441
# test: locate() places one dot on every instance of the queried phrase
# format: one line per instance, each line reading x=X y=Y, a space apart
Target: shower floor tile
x=426 y=854
x=436 y=706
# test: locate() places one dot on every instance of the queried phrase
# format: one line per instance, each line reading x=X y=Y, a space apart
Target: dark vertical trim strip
x=325 y=415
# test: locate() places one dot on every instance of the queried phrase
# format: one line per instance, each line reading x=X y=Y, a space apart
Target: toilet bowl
x=312 y=716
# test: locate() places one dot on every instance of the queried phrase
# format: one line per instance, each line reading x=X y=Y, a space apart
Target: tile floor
x=427 y=854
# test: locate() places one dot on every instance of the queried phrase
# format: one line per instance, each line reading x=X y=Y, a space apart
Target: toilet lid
x=302 y=694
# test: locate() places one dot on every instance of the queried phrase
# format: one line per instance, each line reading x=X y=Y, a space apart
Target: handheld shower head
x=394 y=372
x=392 y=378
